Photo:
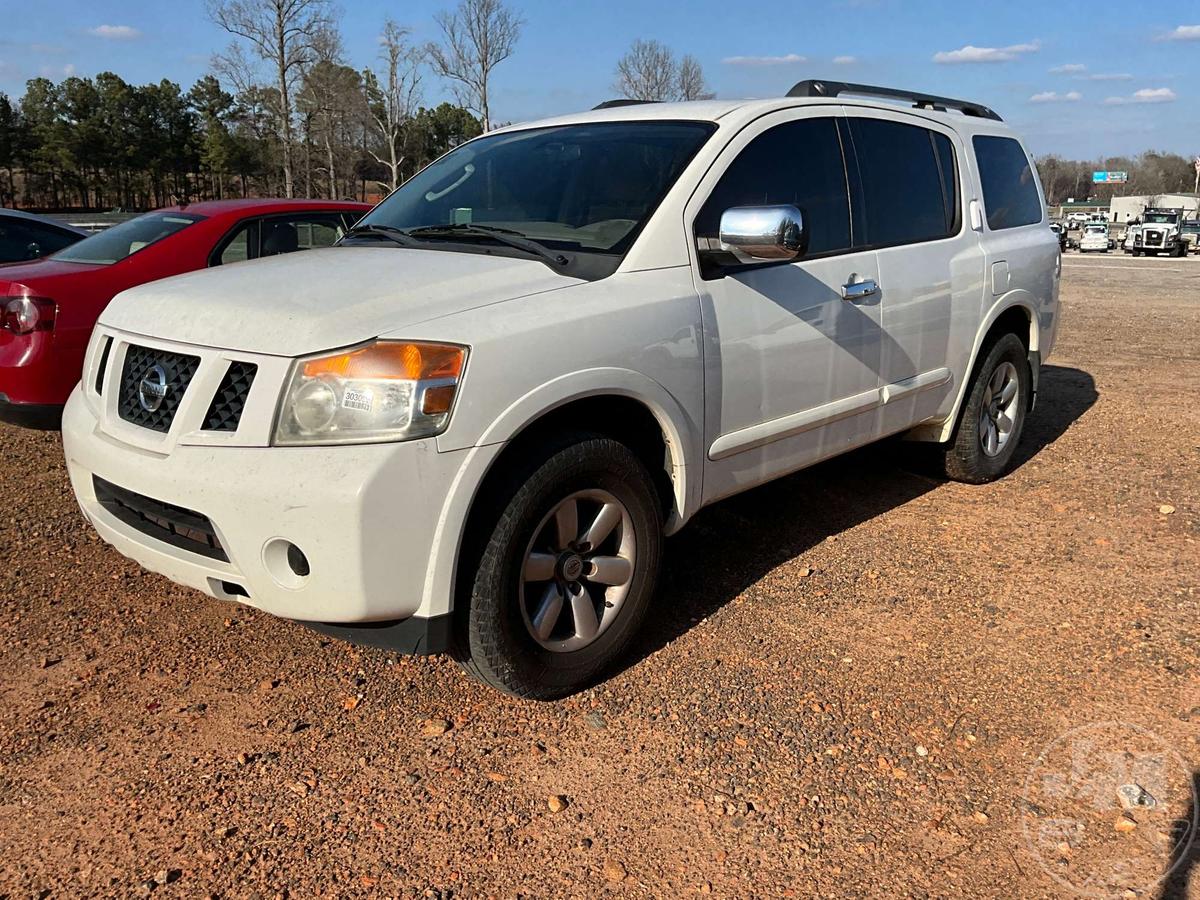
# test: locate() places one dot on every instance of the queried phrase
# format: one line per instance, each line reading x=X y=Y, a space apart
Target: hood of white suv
x=321 y=299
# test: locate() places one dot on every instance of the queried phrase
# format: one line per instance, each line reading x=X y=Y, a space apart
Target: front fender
x=681 y=433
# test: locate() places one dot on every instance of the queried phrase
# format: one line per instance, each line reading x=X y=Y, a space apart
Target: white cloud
x=844 y=60
x=1145 y=95
x=1069 y=69
x=1185 y=33
x=115 y=32
x=1055 y=97
x=973 y=54
x=787 y=60
x=56 y=73
x=1108 y=76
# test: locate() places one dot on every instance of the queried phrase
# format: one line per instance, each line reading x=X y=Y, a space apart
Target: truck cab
x=1161 y=232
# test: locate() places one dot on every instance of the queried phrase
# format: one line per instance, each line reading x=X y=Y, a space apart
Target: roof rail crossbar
x=815 y=88
x=624 y=101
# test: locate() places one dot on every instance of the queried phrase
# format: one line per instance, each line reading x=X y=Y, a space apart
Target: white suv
x=469 y=426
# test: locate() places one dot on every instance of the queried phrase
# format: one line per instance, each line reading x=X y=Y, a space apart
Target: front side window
x=126 y=239
x=1010 y=191
x=799 y=164
x=909 y=183
x=573 y=188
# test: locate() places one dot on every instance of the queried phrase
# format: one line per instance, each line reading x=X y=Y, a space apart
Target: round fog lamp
x=314 y=406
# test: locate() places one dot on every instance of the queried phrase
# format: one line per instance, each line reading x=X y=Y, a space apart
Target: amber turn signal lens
x=392 y=359
x=438 y=399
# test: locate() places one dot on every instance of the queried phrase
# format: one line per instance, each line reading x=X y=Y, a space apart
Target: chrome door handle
x=859 y=290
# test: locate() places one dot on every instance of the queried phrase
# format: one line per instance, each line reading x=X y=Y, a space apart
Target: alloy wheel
x=999 y=410
x=577 y=570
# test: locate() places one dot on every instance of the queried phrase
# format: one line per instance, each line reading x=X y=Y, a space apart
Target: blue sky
x=1073 y=83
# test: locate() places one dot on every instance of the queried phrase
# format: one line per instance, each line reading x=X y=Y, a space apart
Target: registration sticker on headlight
x=357 y=399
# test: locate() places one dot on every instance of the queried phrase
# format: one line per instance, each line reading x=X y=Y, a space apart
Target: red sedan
x=48 y=307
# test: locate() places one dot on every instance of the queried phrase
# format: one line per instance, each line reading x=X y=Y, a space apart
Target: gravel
x=850 y=679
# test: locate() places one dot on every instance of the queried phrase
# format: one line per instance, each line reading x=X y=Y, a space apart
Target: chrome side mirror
x=763 y=233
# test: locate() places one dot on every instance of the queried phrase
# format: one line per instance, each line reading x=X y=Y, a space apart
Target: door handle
x=860 y=290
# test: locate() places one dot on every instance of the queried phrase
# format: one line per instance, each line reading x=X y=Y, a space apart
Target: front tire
x=993 y=415
x=568 y=559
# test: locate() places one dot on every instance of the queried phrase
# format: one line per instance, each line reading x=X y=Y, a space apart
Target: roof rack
x=814 y=88
x=624 y=101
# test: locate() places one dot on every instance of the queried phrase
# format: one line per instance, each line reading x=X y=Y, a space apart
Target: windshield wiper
x=395 y=235
x=500 y=235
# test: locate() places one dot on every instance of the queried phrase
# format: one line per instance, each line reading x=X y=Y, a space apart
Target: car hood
x=321 y=299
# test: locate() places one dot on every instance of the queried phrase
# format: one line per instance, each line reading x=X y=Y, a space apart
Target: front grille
x=173 y=525
x=103 y=367
x=141 y=365
x=1154 y=237
x=225 y=411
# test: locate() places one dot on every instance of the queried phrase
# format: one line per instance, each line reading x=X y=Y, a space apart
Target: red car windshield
x=124 y=240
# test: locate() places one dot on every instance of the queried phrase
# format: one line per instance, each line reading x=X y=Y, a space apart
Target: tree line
x=1151 y=173
x=282 y=113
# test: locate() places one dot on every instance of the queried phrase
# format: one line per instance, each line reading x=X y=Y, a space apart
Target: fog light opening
x=287 y=563
x=297 y=561
x=234 y=590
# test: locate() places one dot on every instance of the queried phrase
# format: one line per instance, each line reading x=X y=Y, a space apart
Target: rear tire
x=542 y=618
x=993 y=414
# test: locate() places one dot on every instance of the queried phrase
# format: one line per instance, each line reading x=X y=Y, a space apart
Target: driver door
x=793 y=349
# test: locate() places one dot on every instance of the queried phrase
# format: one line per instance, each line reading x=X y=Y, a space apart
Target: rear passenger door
x=791 y=371
x=906 y=186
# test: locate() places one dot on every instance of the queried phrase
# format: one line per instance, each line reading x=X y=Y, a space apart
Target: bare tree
x=282 y=33
x=689 y=80
x=476 y=37
x=647 y=72
x=331 y=98
x=393 y=96
x=650 y=71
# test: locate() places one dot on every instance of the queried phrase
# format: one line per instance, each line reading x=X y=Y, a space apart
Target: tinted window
x=908 y=183
x=128 y=238
x=21 y=240
x=573 y=187
x=1010 y=193
x=798 y=163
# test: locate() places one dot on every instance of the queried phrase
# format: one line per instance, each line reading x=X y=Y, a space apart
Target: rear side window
x=909 y=183
x=1010 y=193
x=798 y=163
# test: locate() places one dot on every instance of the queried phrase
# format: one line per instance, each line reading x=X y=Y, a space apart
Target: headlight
x=384 y=391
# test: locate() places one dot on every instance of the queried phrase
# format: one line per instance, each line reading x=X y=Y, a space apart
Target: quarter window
x=798 y=163
x=909 y=183
x=1010 y=192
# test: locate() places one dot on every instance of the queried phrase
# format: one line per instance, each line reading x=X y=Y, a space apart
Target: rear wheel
x=993 y=415
x=567 y=565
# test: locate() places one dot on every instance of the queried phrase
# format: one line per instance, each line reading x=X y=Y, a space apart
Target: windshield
x=1097 y=229
x=126 y=239
x=574 y=188
x=1161 y=218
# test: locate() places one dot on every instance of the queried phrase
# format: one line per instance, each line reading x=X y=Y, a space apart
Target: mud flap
x=1035 y=368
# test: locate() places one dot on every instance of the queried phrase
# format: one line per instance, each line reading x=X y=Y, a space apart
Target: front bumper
x=365 y=518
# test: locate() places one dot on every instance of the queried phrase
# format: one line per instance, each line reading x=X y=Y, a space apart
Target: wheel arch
x=623 y=404
x=1013 y=313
